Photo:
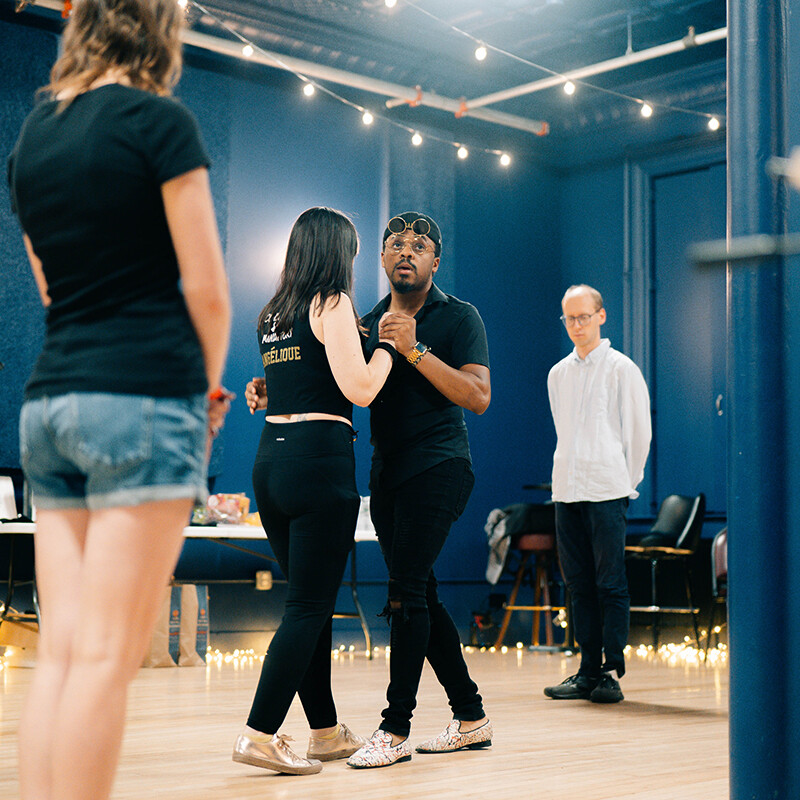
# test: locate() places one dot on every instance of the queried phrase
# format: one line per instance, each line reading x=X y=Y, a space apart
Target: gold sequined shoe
x=342 y=745
x=452 y=739
x=273 y=754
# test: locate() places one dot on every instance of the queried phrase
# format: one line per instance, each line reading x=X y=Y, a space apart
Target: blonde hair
x=591 y=291
x=140 y=38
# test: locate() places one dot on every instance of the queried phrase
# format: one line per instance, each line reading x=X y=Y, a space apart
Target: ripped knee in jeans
x=400 y=602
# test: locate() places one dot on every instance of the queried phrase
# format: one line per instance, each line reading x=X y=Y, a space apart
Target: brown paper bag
x=159 y=653
x=190 y=611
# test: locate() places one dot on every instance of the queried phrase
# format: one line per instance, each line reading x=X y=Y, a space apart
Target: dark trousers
x=304 y=483
x=591 y=549
x=412 y=521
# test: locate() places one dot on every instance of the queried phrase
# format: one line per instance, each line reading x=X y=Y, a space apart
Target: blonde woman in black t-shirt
x=109 y=180
x=304 y=481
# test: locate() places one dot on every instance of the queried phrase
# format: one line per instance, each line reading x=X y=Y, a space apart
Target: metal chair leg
x=654 y=604
x=10 y=585
x=711 y=623
x=359 y=610
x=687 y=576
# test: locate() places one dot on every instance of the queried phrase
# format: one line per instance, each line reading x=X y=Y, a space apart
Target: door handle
x=718 y=404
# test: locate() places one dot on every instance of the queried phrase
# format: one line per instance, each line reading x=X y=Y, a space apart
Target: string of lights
x=673 y=654
x=369 y=116
x=310 y=87
x=482 y=49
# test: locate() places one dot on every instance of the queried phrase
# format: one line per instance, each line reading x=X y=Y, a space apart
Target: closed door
x=689 y=339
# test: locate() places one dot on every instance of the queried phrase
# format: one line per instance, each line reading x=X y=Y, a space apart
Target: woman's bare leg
x=60 y=537
x=127 y=559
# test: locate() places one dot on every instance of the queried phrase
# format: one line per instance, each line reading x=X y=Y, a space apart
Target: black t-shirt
x=297 y=372
x=86 y=185
x=414 y=426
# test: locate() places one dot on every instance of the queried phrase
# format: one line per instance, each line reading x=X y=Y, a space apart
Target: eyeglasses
x=419 y=226
x=581 y=319
x=419 y=246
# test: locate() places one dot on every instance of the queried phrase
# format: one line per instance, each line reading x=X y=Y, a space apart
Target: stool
x=543 y=547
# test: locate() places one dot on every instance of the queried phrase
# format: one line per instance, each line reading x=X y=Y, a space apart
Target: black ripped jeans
x=412 y=521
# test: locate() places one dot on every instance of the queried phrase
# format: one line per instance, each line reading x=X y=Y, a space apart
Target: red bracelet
x=218 y=394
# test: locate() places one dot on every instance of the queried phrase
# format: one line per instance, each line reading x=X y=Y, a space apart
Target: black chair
x=674 y=536
x=719 y=580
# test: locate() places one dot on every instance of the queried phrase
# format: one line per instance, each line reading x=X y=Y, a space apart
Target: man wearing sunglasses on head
x=601 y=410
x=420 y=482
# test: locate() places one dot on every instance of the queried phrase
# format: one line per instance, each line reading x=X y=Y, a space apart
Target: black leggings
x=304 y=483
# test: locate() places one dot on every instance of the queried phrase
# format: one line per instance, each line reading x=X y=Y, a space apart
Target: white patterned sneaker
x=451 y=739
x=378 y=752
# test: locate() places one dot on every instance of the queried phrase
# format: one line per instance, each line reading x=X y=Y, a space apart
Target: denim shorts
x=96 y=450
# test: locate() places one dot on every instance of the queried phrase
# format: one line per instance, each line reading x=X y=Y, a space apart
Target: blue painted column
x=792 y=378
x=763 y=687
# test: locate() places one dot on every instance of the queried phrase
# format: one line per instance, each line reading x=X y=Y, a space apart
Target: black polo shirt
x=413 y=425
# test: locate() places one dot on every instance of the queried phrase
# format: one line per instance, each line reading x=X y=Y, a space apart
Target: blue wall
x=285 y=154
x=22 y=316
x=514 y=240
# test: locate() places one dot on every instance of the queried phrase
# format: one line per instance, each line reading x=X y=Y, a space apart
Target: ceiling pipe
x=321 y=72
x=692 y=40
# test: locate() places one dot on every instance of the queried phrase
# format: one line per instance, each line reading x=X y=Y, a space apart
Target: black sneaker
x=576 y=687
x=606 y=691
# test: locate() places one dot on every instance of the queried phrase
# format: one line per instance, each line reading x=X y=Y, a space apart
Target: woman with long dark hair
x=109 y=181
x=304 y=480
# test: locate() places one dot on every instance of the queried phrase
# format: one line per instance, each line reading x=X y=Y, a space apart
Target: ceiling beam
x=596 y=69
x=309 y=69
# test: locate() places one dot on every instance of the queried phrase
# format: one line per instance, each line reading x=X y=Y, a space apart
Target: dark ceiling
x=415 y=44
x=404 y=45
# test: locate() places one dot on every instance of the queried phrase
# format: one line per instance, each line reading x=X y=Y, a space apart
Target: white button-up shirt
x=601 y=410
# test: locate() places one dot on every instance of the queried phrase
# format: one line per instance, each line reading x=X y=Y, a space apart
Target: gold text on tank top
x=280 y=355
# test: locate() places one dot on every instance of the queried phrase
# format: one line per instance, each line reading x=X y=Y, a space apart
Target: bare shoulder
x=336 y=303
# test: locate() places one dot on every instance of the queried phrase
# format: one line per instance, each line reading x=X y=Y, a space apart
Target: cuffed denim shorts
x=96 y=450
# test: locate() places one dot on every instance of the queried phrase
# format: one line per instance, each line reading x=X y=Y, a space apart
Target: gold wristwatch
x=416 y=354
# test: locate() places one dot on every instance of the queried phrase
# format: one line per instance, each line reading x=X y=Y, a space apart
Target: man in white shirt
x=601 y=410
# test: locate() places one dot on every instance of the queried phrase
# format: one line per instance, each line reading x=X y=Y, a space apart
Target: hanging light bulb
x=416 y=139
x=647 y=110
x=505 y=159
x=481 y=52
x=713 y=124
x=569 y=87
x=390 y=3
x=462 y=152
x=308 y=89
x=247 y=50
x=367 y=118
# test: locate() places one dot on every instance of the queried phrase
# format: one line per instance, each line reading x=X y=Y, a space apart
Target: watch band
x=416 y=354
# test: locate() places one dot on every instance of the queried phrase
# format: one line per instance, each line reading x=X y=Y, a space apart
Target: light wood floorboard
x=667 y=740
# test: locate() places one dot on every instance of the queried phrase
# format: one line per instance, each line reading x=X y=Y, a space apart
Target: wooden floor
x=667 y=740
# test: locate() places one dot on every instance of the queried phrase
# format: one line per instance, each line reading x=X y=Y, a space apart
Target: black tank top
x=298 y=375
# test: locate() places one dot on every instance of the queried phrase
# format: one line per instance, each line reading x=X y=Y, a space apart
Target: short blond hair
x=141 y=38
x=590 y=290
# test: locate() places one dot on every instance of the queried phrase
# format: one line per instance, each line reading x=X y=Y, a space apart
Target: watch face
x=417 y=351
